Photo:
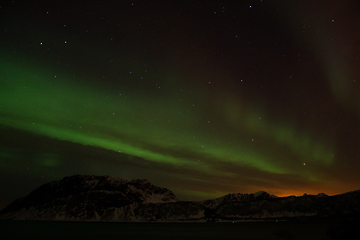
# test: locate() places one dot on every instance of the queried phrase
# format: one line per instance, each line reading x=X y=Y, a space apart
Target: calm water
x=247 y=230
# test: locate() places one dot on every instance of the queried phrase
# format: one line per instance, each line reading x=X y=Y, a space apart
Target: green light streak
x=34 y=100
x=301 y=144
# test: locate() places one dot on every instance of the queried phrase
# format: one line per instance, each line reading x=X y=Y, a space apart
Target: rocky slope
x=104 y=198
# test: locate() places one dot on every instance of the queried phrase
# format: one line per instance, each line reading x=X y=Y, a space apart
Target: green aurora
x=36 y=101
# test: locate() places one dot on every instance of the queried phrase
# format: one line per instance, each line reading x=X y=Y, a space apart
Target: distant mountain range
x=105 y=198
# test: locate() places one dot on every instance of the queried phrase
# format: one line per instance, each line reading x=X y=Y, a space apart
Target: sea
x=52 y=230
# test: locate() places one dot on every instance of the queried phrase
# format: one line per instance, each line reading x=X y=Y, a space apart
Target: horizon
x=130 y=179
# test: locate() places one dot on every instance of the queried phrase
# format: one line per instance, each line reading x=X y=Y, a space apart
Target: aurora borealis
x=204 y=98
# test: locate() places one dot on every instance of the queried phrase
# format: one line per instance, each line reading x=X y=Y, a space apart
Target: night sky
x=202 y=97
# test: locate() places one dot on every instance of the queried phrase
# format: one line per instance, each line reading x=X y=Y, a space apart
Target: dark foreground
x=314 y=229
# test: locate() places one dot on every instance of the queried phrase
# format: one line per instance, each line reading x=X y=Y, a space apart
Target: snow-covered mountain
x=236 y=197
x=104 y=198
x=87 y=198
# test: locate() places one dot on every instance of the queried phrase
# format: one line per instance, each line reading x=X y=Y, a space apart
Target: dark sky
x=202 y=97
